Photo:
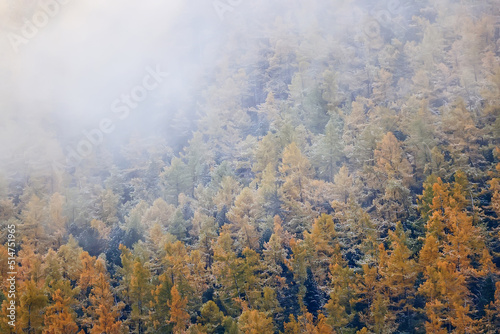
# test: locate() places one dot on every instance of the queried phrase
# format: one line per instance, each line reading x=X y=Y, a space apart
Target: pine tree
x=226 y=194
x=32 y=300
x=228 y=272
x=68 y=253
x=356 y=232
x=177 y=225
x=327 y=151
x=269 y=192
x=107 y=207
x=33 y=221
x=211 y=318
x=462 y=134
x=59 y=317
x=87 y=272
x=178 y=314
x=250 y=272
x=177 y=266
x=493 y=311
x=399 y=276
x=322 y=242
x=175 y=180
x=159 y=213
x=266 y=154
x=196 y=155
x=135 y=226
x=322 y=326
x=87 y=278
x=125 y=272
x=255 y=322
x=374 y=294
x=393 y=177
x=296 y=172
x=298 y=264
x=451 y=247
x=343 y=185
x=244 y=215
x=207 y=236
x=270 y=305
x=275 y=257
x=340 y=306
x=102 y=310
x=57 y=225
x=140 y=294
x=160 y=314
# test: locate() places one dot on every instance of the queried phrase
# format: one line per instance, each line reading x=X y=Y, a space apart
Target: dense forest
x=327 y=177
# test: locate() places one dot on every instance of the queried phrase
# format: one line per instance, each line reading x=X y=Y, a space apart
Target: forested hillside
x=333 y=178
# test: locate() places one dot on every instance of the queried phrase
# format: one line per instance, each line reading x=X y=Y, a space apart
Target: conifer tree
x=33 y=300
x=296 y=172
x=255 y=322
x=244 y=215
x=448 y=256
x=59 y=317
x=322 y=242
x=175 y=180
x=140 y=295
x=393 y=177
x=178 y=315
x=102 y=310
x=327 y=151
x=211 y=318
x=340 y=306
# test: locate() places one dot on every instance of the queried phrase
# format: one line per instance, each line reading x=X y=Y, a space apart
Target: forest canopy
x=334 y=169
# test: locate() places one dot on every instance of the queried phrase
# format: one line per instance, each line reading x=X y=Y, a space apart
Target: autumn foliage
x=333 y=183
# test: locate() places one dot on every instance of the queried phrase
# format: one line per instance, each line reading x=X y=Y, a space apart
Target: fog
x=243 y=166
x=65 y=76
x=60 y=82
